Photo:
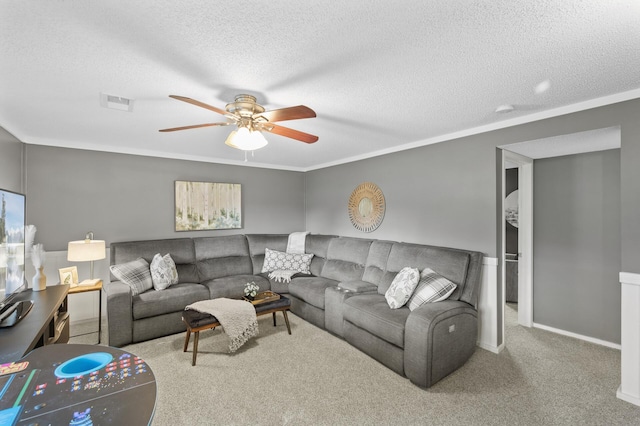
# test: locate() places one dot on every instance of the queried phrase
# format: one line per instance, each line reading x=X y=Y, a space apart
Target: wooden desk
x=47 y=323
x=85 y=289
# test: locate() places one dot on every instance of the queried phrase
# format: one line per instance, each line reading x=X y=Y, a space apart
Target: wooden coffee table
x=199 y=321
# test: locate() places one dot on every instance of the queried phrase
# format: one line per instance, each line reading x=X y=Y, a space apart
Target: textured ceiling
x=381 y=75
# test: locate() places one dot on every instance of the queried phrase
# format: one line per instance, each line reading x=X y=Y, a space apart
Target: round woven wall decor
x=366 y=207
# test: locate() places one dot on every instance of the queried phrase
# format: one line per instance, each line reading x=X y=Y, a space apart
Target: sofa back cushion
x=346 y=258
x=376 y=261
x=218 y=257
x=181 y=250
x=318 y=245
x=259 y=242
x=450 y=263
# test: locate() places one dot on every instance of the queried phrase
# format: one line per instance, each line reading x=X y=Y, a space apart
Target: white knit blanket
x=282 y=275
x=296 y=242
x=237 y=318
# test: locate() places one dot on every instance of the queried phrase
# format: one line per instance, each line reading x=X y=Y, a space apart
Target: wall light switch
x=452 y=328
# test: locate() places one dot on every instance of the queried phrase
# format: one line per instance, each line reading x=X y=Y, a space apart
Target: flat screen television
x=12 y=245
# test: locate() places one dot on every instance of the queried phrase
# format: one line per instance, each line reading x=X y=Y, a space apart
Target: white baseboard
x=626 y=397
x=491 y=348
x=81 y=322
x=578 y=336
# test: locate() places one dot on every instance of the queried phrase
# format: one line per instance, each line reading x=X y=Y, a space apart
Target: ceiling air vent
x=116 y=102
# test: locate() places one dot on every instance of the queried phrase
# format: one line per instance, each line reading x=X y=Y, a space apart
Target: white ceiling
x=381 y=75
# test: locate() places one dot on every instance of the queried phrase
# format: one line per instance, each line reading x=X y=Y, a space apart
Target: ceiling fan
x=252 y=119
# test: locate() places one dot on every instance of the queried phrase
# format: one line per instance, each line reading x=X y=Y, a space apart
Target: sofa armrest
x=439 y=338
x=357 y=286
x=119 y=313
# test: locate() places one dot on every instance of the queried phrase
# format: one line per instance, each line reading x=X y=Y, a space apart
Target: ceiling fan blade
x=290 y=113
x=290 y=133
x=195 y=126
x=200 y=104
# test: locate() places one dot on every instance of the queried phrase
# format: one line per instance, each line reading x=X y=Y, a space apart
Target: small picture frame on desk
x=69 y=276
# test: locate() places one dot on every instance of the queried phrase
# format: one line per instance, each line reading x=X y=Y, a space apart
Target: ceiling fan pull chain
x=245 y=156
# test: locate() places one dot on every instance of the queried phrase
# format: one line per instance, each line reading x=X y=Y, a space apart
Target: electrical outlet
x=452 y=328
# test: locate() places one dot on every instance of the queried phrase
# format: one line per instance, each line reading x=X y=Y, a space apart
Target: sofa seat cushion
x=311 y=289
x=172 y=299
x=282 y=286
x=232 y=286
x=372 y=313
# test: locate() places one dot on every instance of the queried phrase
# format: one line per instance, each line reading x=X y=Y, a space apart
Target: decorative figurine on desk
x=38 y=256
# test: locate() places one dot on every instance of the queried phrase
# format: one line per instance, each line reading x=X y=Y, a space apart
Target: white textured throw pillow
x=279 y=261
x=402 y=287
x=172 y=265
x=431 y=288
x=163 y=271
x=135 y=274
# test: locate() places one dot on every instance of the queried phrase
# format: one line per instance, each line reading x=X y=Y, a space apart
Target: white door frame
x=525 y=237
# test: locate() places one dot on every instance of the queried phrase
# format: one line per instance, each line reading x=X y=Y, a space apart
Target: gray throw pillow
x=135 y=274
x=431 y=288
x=402 y=287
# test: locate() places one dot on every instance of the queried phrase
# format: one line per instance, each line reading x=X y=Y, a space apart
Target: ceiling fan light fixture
x=252 y=119
x=246 y=140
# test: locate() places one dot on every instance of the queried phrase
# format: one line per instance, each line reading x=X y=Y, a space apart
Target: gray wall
x=11 y=150
x=125 y=197
x=442 y=194
x=577 y=251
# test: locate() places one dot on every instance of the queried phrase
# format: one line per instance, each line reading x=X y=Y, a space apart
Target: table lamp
x=86 y=250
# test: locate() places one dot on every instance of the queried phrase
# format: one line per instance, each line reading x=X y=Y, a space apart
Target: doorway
x=517 y=235
x=521 y=155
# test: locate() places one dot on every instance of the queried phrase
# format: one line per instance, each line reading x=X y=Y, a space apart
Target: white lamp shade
x=246 y=140
x=86 y=250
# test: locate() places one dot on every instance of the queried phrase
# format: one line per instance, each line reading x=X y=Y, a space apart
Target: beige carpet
x=313 y=377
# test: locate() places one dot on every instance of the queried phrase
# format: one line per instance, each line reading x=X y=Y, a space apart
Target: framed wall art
x=204 y=206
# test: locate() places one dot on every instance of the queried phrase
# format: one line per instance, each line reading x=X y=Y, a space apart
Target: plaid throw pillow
x=135 y=274
x=431 y=288
x=280 y=261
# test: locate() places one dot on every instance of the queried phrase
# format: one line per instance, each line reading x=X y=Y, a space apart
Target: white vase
x=39 y=281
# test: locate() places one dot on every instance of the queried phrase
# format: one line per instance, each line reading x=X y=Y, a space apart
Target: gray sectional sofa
x=344 y=294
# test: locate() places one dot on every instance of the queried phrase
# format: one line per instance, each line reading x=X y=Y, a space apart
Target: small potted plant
x=251 y=290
